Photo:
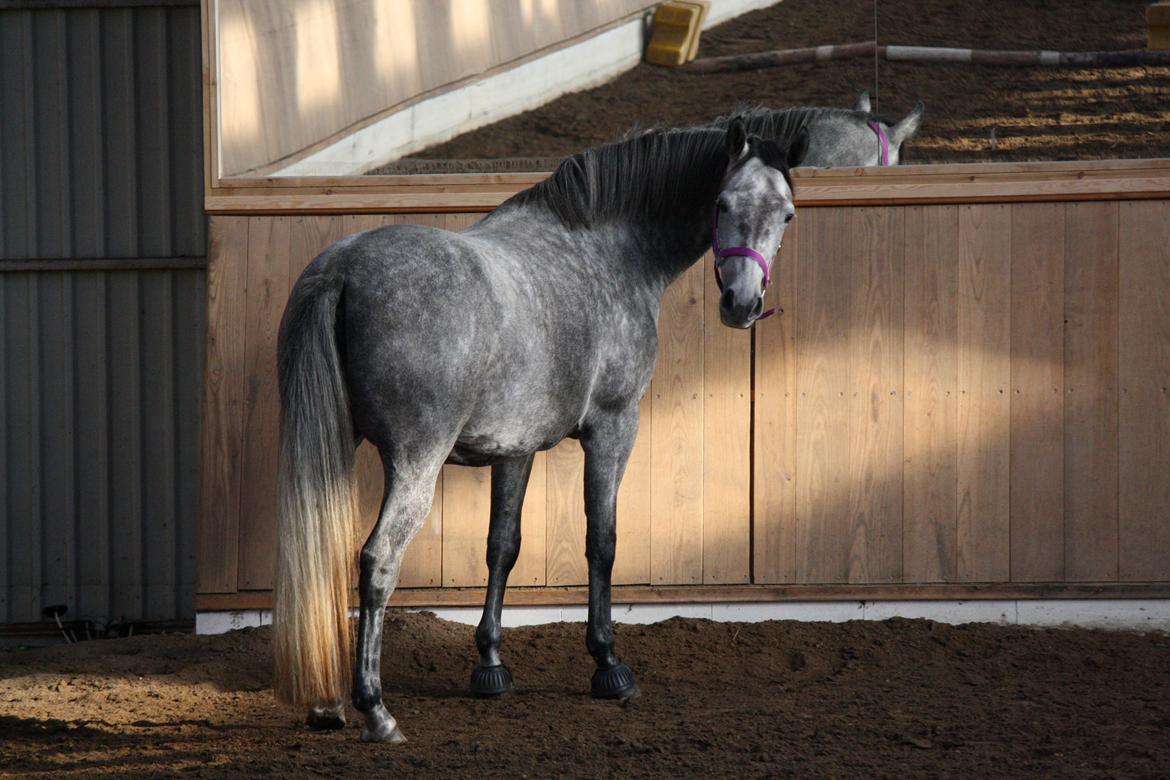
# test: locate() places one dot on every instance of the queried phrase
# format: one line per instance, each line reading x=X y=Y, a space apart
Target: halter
x=738 y=251
x=883 y=138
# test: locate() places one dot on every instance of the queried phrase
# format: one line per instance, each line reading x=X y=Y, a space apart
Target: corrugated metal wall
x=100 y=177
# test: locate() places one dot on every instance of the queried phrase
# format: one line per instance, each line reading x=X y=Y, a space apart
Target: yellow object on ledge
x=1158 y=26
x=675 y=36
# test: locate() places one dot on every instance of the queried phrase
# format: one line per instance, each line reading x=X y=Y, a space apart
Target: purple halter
x=738 y=251
x=883 y=138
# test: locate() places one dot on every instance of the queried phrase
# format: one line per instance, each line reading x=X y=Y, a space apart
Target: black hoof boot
x=616 y=682
x=489 y=681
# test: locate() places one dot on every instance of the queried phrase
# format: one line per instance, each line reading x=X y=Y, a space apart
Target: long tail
x=311 y=628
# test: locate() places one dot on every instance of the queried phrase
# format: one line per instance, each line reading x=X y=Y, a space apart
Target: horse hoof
x=616 y=682
x=325 y=719
x=490 y=681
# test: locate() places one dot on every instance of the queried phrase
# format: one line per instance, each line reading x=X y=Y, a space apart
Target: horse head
x=754 y=207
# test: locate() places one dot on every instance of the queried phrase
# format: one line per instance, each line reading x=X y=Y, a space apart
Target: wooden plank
x=676 y=443
x=931 y=395
x=190 y=300
x=564 y=543
x=159 y=477
x=126 y=447
x=1037 y=401
x=875 y=400
x=1090 y=399
x=265 y=297
x=632 y=563
x=824 y=330
x=223 y=382
x=727 y=423
x=984 y=348
x=467 y=498
x=737 y=594
x=774 y=423
x=1144 y=406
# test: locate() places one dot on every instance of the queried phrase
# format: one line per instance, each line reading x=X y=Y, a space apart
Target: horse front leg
x=509 y=483
x=607 y=446
x=407 y=500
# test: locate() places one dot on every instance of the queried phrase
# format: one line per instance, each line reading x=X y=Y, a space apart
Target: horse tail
x=316 y=529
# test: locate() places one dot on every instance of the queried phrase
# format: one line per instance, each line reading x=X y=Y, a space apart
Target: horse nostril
x=759 y=307
x=727 y=300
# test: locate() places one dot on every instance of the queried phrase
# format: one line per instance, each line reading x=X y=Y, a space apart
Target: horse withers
x=483 y=348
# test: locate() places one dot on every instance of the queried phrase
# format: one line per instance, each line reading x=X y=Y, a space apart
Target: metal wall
x=102 y=280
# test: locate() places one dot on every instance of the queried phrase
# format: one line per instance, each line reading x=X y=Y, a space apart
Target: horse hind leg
x=509 y=483
x=407 y=500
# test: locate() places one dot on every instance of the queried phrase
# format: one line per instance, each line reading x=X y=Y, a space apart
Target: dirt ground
x=779 y=699
x=973 y=113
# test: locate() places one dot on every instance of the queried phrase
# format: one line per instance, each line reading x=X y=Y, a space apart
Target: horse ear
x=798 y=148
x=736 y=139
x=862 y=103
x=905 y=129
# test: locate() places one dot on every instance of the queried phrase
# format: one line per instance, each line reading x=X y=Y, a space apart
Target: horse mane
x=782 y=124
x=651 y=174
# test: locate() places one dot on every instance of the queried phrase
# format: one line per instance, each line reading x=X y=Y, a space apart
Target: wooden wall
x=954 y=394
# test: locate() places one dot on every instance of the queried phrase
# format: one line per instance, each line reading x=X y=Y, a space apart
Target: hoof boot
x=616 y=682
x=489 y=681
x=322 y=719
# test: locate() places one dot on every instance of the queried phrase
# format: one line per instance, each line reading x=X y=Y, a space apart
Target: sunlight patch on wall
x=395 y=33
x=240 y=113
x=317 y=58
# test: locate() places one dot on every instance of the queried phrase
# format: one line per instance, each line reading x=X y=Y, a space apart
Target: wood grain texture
x=930 y=421
x=1037 y=400
x=467 y=500
x=984 y=349
x=774 y=423
x=223 y=382
x=1144 y=406
x=565 y=515
x=875 y=396
x=676 y=445
x=727 y=422
x=824 y=328
x=1090 y=398
x=265 y=297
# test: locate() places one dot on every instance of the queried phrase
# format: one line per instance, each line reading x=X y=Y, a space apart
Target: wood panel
x=774 y=422
x=632 y=563
x=1090 y=399
x=875 y=395
x=1037 y=393
x=223 y=383
x=824 y=328
x=1144 y=405
x=676 y=443
x=565 y=562
x=727 y=436
x=984 y=349
x=931 y=395
x=266 y=292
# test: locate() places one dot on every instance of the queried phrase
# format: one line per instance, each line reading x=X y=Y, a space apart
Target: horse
x=482 y=348
x=837 y=137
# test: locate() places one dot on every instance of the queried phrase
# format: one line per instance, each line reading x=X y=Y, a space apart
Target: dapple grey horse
x=484 y=347
x=837 y=137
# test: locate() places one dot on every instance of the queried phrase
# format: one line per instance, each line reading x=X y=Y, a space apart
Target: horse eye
x=788 y=218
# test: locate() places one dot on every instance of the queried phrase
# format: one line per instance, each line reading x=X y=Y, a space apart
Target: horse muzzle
x=739 y=312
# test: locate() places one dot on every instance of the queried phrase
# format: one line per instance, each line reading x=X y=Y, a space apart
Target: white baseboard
x=1125 y=614
x=529 y=85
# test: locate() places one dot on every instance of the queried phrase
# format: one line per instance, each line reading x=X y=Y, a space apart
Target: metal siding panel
x=190 y=293
x=51 y=134
x=126 y=546
x=93 y=445
x=57 y=445
x=158 y=437
x=118 y=105
x=85 y=137
x=16 y=134
x=185 y=98
x=5 y=517
x=22 y=374
x=151 y=132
